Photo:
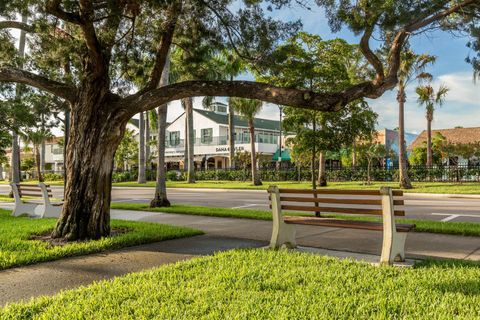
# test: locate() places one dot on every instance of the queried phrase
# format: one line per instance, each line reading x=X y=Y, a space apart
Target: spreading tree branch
x=243 y=89
x=17 y=25
x=53 y=7
x=62 y=90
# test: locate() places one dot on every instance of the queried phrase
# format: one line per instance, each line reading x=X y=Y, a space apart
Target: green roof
x=285 y=155
x=240 y=121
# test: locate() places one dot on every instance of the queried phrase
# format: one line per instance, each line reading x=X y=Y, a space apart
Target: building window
x=56 y=149
x=221 y=109
x=207 y=135
x=174 y=138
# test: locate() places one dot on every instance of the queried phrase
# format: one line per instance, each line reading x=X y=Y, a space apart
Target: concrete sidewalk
x=418 y=246
x=48 y=278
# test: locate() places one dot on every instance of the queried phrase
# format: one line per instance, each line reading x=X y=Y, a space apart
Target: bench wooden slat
x=33 y=190
x=340 y=223
x=338 y=210
x=337 y=200
x=339 y=191
x=333 y=200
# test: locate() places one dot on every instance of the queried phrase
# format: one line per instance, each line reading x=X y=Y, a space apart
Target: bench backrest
x=32 y=190
x=337 y=201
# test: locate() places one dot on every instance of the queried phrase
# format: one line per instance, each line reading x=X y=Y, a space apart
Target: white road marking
x=247 y=206
x=453 y=216
x=449 y=218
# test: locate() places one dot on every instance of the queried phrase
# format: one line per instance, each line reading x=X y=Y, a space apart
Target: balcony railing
x=222 y=140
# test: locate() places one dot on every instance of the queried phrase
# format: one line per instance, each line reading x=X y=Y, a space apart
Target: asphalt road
x=433 y=207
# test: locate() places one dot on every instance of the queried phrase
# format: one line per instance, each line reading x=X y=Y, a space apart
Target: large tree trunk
x=1 y=172
x=147 y=141
x=38 y=163
x=95 y=133
x=322 y=174
x=190 y=140
x=141 y=150
x=231 y=135
x=403 y=178
x=255 y=178
x=160 y=198
x=429 y=141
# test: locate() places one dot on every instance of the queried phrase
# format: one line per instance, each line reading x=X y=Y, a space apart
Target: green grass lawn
x=456 y=228
x=16 y=249
x=267 y=284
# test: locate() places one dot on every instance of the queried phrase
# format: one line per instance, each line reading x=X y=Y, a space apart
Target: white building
x=211 y=138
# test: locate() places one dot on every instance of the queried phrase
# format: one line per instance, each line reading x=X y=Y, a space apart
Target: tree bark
x=322 y=175
x=403 y=178
x=429 y=141
x=147 y=141
x=66 y=134
x=190 y=140
x=160 y=199
x=231 y=135
x=255 y=178
x=97 y=127
x=141 y=150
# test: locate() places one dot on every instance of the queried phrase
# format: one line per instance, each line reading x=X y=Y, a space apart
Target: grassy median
x=16 y=249
x=267 y=284
x=418 y=187
x=456 y=228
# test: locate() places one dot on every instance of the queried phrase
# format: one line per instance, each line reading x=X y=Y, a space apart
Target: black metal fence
x=416 y=173
x=458 y=173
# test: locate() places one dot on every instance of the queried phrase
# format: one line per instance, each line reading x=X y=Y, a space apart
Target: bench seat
x=383 y=203
x=343 y=223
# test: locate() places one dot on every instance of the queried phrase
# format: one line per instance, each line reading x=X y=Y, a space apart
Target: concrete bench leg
x=393 y=247
x=24 y=208
x=20 y=206
x=47 y=210
x=283 y=235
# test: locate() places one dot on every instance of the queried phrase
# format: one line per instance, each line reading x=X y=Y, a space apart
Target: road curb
x=443 y=195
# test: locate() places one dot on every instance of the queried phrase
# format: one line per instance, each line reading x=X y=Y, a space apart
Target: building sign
x=226 y=149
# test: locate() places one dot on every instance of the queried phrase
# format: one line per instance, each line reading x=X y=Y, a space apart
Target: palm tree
x=249 y=108
x=428 y=98
x=160 y=199
x=187 y=104
x=412 y=68
x=230 y=66
x=36 y=138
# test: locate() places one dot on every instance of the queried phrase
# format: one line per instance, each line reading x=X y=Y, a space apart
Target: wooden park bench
x=384 y=202
x=38 y=204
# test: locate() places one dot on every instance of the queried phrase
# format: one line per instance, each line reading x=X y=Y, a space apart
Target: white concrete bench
x=366 y=202
x=39 y=205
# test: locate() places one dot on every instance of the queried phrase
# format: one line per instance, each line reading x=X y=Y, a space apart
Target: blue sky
x=462 y=106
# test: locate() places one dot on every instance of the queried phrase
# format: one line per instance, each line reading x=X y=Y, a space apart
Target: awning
x=173 y=159
x=285 y=155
